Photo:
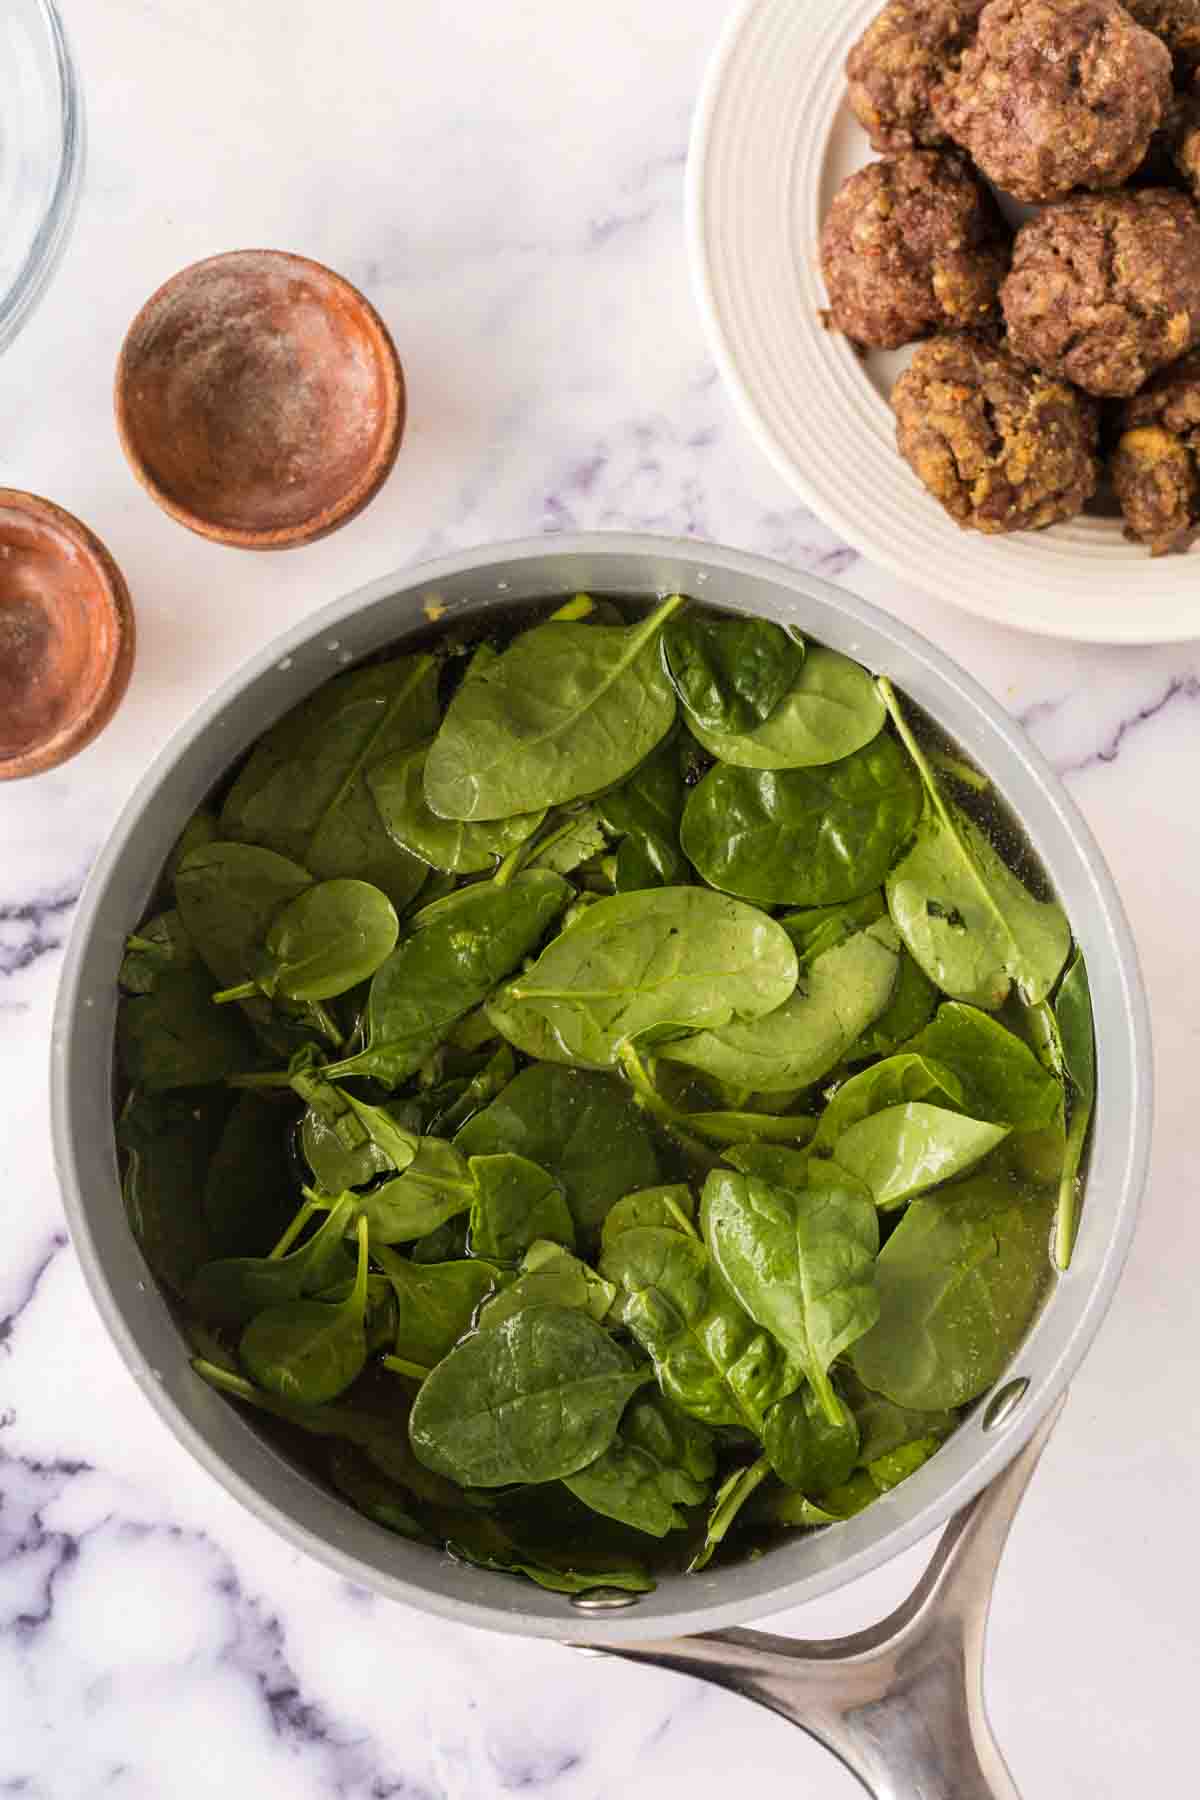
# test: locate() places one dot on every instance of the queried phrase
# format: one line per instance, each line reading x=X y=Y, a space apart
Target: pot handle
x=901 y=1704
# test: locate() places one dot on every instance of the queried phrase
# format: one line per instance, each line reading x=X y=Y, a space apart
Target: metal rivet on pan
x=1004 y=1403
x=604 y=1599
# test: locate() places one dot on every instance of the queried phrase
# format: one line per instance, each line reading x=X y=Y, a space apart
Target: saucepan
x=901 y=1704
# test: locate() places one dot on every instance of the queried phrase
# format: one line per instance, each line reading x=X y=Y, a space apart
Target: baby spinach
x=558 y=1581
x=831 y=710
x=436 y=1303
x=731 y=1496
x=154 y=950
x=567 y=710
x=535 y=1400
x=397 y=786
x=801 y=1262
x=778 y=1164
x=249 y=1190
x=304 y=789
x=574 y=840
x=581 y=1126
x=893 y=1082
x=168 y=1141
x=883 y=1426
x=310 y=1350
x=959 y=1283
x=644 y=814
x=550 y=1276
x=516 y=1202
x=809 y=1034
x=804 y=837
x=636 y=963
x=816 y=929
x=1000 y=1077
x=730 y=673
x=168 y=1035
x=201 y=828
x=1073 y=1013
x=459 y=948
x=323 y=943
x=903 y=1150
x=912 y=1005
x=640 y=1479
x=806 y=1448
x=708 y=1355
x=435 y=1187
x=369 y=1491
x=972 y=925
x=672 y=1207
x=859 y=1491
x=231 y=1290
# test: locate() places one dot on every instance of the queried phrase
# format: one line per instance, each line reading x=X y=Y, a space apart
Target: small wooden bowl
x=66 y=635
x=260 y=399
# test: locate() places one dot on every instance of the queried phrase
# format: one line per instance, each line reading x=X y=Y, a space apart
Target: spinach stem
x=1066 y=1224
x=581 y=607
x=221 y=1378
x=245 y=990
x=324 y=1024
x=293 y=1231
x=399 y=1365
x=960 y=771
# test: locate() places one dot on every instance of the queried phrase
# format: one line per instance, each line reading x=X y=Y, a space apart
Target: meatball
x=913 y=245
x=1056 y=95
x=1105 y=289
x=1156 y=467
x=1184 y=139
x=1177 y=23
x=1001 y=446
x=906 y=52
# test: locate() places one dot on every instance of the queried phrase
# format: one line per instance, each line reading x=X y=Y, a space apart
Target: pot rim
x=353 y=1547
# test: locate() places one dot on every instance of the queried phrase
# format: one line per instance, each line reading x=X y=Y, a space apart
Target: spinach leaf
x=709 y=1357
x=777 y=1164
x=912 y=1005
x=801 y=1262
x=567 y=710
x=484 y=1086
x=516 y=1203
x=446 y=1243
x=730 y=673
x=904 y=1150
x=861 y=1490
x=169 y=1035
x=535 y=1400
x=972 y=925
x=249 y=1190
x=749 y=1127
x=581 y=1126
x=310 y=1350
x=550 y=1276
x=1073 y=1013
x=322 y=943
x=731 y=1496
x=1000 y=1076
x=304 y=790
x=672 y=1207
x=337 y=1147
x=806 y=1448
x=201 y=828
x=816 y=929
x=635 y=963
x=459 y=948
x=659 y=1462
x=644 y=813
x=397 y=786
x=804 y=837
x=371 y=1493
x=809 y=1034
x=893 y=1082
x=436 y=1186
x=436 y=1303
x=573 y=841
x=231 y=1290
x=558 y=1581
x=959 y=1281
x=831 y=711
x=883 y=1426
x=168 y=1142
x=379 y=1318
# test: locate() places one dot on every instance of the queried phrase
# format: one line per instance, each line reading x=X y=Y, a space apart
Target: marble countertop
x=504 y=181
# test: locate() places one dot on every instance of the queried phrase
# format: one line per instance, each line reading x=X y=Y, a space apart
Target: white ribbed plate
x=772 y=140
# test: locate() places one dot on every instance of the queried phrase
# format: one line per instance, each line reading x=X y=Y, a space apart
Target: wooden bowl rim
x=360 y=492
x=93 y=716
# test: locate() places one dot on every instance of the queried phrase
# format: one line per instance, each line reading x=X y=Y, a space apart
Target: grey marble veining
x=506 y=183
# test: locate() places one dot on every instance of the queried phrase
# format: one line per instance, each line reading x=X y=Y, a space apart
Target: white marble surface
x=505 y=183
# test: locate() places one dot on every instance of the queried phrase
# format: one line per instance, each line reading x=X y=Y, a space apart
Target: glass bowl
x=41 y=155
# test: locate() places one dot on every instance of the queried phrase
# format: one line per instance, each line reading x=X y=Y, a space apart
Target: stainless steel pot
x=912 y=1724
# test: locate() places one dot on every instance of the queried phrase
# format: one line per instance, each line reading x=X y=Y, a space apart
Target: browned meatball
x=1184 y=139
x=906 y=52
x=1002 y=447
x=1056 y=95
x=1177 y=23
x=1105 y=289
x=912 y=245
x=1156 y=467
